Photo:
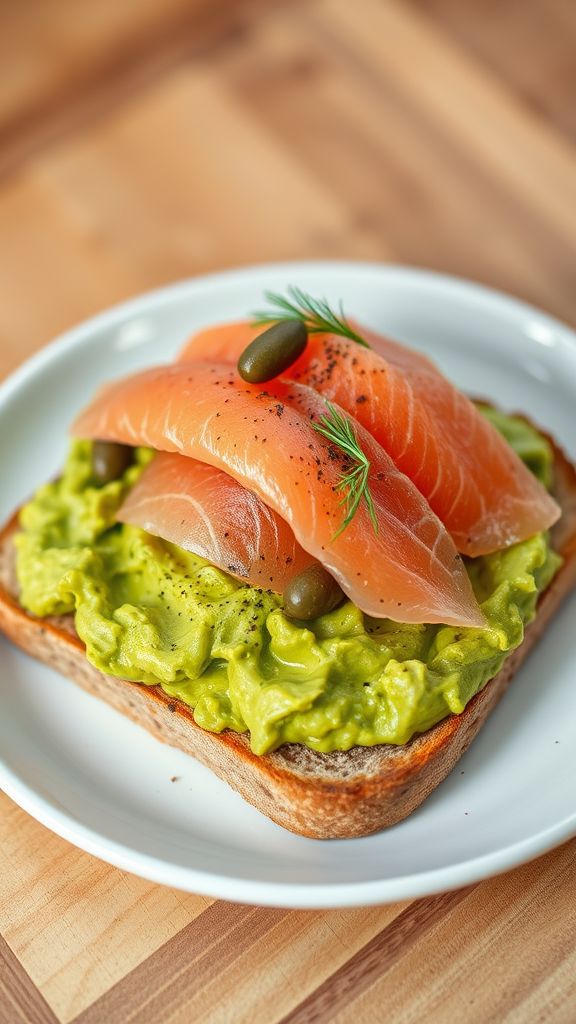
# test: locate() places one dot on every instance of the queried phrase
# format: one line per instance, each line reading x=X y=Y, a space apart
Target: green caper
x=273 y=351
x=312 y=593
x=109 y=460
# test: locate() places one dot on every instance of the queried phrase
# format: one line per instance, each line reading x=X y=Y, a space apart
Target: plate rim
x=289 y=895
x=311 y=895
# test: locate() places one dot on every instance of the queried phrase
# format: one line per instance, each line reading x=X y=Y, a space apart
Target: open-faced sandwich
x=300 y=554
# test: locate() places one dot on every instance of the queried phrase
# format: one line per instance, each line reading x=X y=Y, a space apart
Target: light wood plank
x=51 y=49
x=423 y=194
x=264 y=983
x=107 y=215
x=528 y=43
x=505 y=953
x=77 y=925
x=456 y=92
x=54 y=271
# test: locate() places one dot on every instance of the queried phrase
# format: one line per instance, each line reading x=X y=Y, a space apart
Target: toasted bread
x=323 y=796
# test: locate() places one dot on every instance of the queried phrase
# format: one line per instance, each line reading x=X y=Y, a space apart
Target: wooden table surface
x=147 y=140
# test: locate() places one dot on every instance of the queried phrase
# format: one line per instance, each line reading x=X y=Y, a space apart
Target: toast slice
x=344 y=794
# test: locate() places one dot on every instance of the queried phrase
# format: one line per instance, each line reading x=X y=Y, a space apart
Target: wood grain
x=20 y=1001
x=372 y=962
x=507 y=953
x=528 y=44
x=145 y=141
x=76 y=926
x=97 y=53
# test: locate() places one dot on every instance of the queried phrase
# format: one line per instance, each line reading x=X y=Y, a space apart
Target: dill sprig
x=316 y=314
x=338 y=429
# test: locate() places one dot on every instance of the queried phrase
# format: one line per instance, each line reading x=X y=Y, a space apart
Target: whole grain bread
x=323 y=796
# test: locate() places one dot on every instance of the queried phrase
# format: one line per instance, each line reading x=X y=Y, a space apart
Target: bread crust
x=344 y=794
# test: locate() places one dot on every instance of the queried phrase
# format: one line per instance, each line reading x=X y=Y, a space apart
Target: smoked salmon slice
x=205 y=510
x=405 y=566
x=474 y=482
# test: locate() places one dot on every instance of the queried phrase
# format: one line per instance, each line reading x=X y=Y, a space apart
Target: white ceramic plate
x=104 y=784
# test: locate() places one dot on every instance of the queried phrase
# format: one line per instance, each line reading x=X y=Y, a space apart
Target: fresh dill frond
x=339 y=430
x=316 y=314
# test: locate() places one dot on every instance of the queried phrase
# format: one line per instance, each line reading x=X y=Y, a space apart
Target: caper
x=273 y=351
x=312 y=593
x=109 y=460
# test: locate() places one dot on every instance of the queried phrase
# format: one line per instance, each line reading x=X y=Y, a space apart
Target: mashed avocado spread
x=151 y=612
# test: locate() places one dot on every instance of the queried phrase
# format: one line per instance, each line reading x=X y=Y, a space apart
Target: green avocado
x=151 y=612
